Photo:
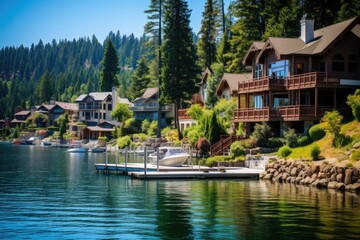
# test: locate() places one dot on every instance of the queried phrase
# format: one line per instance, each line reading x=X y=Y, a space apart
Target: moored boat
x=169 y=156
x=97 y=150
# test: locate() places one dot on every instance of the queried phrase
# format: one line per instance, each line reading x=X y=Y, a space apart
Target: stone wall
x=317 y=175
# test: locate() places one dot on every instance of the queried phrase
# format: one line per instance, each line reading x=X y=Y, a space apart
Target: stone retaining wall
x=317 y=175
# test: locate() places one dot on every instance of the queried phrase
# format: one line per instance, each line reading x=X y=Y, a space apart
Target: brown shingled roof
x=232 y=80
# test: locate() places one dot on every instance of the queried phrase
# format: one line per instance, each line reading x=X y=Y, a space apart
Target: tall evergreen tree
x=180 y=71
x=110 y=64
x=208 y=34
x=45 y=89
x=140 y=80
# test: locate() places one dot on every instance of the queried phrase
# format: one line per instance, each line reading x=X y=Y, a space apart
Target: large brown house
x=295 y=80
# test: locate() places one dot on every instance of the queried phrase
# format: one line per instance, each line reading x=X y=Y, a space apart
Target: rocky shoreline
x=322 y=175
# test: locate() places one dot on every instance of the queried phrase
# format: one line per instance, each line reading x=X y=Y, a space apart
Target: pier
x=138 y=171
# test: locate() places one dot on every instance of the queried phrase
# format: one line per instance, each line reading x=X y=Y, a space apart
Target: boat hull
x=172 y=161
x=77 y=150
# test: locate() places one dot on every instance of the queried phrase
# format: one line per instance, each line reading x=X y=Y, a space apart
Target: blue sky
x=27 y=21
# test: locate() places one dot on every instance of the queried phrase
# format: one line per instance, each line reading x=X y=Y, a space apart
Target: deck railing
x=183 y=115
x=299 y=81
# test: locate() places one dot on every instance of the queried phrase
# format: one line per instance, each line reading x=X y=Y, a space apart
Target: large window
x=279 y=69
x=258 y=102
x=258 y=71
x=338 y=64
x=281 y=100
x=353 y=63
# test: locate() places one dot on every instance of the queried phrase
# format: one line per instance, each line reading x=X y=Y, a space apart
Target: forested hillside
x=64 y=69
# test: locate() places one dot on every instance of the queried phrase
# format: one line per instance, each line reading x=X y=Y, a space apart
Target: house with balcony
x=296 y=80
x=55 y=109
x=146 y=107
x=229 y=83
x=20 y=118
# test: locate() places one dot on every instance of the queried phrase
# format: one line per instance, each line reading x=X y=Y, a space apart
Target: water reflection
x=48 y=193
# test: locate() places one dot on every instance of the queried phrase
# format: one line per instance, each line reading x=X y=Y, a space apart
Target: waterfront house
x=20 y=118
x=295 y=80
x=229 y=84
x=104 y=129
x=55 y=109
x=146 y=107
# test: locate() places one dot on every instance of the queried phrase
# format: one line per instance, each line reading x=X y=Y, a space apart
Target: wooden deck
x=136 y=170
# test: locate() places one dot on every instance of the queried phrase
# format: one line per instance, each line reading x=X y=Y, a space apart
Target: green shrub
x=236 y=149
x=103 y=138
x=262 y=132
x=284 y=151
x=240 y=159
x=291 y=137
x=303 y=141
x=140 y=136
x=316 y=132
x=355 y=155
x=315 y=152
x=354 y=102
x=213 y=161
x=275 y=142
x=124 y=142
x=341 y=140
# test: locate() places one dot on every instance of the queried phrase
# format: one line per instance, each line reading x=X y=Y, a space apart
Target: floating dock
x=136 y=170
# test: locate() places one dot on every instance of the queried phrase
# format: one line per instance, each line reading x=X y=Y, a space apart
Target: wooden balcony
x=311 y=80
x=300 y=81
x=262 y=84
x=183 y=115
x=285 y=113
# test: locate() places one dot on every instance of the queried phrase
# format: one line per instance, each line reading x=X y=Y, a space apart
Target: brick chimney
x=307 y=28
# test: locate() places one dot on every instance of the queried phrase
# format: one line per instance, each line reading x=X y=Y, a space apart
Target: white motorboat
x=169 y=156
x=77 y=150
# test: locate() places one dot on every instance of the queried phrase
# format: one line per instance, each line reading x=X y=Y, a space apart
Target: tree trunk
x=177 y=105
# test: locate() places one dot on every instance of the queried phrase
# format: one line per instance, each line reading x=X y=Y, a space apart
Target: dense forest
x=31 y=75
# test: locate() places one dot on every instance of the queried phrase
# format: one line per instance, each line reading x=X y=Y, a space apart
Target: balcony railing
x=183 y=115
x=300 y=81
x=285 y=113
x=90 y=107
x=262 y=84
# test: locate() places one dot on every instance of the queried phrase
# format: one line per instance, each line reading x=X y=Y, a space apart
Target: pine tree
x=208 y=34
x=180 y=72
x=45 y=89
x=140 y=80
x=108 y=76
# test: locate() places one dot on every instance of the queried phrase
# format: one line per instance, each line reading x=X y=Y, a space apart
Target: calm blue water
x=46 y=193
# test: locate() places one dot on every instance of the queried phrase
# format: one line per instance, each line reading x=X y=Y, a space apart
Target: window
x=279 y=69
x=104 y=106
x=96 y=115
x=258 y=71
x=338 y=64
x=104 y=116
x=258 y=102
x=353 y=63
x=109 y=107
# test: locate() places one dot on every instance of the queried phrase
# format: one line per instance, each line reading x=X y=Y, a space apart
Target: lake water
x=47 y=193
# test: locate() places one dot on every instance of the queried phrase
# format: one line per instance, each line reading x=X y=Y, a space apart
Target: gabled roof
x=253 y=49
x=149 y=92
x=68 y=106
x=22 y=113
x=96 y=96
x=17 y=121
x=232 y=81
x=324 y=38
x=46 y=106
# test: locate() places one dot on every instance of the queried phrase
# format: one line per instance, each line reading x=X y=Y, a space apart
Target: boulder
x=348 y=176
x=333 y=177
x=322 y=167
x=322 y=183
x=340 y=186
x=356 y=145
x=355 y=187
x=294 y=171
x=315 y=169
x=332 y=185
x=340 y=170
x=268 y=176
x=340 y=178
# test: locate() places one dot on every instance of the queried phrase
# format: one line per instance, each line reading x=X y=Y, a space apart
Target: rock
x=298 y=179
x=340 y=170
x=288 y=179
x=271 y=171
x=348 y=176
x=340 y=186
x=294 y=171
x=268 y=176
x=355 y=187
x=356 y=145
x=321 y=175
x=315 y=183
x=278 y=178
x=340 y=178
x=333 y=170
x=333 y=177
x=348 y=187
x=322 y=183
x=327 y=168
x=315 y=169
x=307 y=180
x=276 y=173
x=332 y=185
x=285 y=176
x=322 y=166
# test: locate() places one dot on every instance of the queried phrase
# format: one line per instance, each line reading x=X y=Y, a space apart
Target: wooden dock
x=136 y=170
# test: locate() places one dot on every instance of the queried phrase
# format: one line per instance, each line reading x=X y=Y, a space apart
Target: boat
x=45 y=143
x=77 y=150
x=97 y=150
x=31 y=141
x=169 y=156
